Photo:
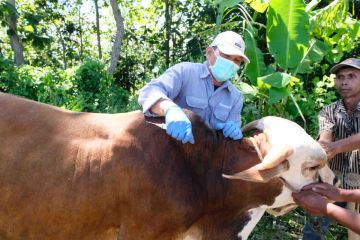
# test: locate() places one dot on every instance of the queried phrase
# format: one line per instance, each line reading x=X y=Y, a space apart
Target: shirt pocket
x=222 y=111
x=195 y=102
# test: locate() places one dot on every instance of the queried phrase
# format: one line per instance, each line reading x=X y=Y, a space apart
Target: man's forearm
x=161 y=106
x=350 y=195
x=347 y=218
x=348 y=144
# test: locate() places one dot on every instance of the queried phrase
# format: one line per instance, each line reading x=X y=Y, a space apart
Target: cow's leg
x=255 y=215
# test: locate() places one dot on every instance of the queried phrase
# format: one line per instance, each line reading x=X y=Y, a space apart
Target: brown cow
x=70 y=175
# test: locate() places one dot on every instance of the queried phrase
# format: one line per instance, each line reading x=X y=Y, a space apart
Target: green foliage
x=8 y=75
x=290 y=227
x=95 y=90
x=128 y=73
x=7 y=10
x=90 y=76
x=334 y=25
x=311 y=103
x=295 y=50
x=287 y=32
x=316 y=52
x=88 y=88
x=40 y=84
x=256 y=67
x=291 y=47
x=258 y=5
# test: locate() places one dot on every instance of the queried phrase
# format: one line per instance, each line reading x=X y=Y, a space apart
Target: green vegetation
x=61 y=52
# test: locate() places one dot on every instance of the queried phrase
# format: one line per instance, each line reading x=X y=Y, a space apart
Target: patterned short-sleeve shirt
x=334 y=118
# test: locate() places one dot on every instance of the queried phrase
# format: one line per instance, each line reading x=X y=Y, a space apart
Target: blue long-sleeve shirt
x=190 y=86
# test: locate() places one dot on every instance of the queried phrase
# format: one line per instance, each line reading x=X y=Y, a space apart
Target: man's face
x=211 y=54
x=347 y=82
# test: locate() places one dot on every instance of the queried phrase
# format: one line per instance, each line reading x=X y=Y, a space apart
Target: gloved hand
x=230 y=129
x=178 y=125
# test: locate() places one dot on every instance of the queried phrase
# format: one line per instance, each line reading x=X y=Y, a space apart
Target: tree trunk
x=62 y=41
x=1 y=54
x=173 y=35
x=63 y=45
x=167 y=32
x=80 y=35
x=115 y=53
x=98 y=28
x=15 y=40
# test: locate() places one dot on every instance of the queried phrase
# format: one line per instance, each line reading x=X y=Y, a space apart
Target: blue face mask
x=223 y=69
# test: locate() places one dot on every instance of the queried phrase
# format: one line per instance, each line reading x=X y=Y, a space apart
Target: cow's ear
x=254 y=174
x=272 y=165
x=254 y=125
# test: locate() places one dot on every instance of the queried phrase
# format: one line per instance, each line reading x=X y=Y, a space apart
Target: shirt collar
x=340 y=106
x=205 y=71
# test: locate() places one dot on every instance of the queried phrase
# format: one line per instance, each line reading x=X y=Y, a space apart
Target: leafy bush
x=96 y=90
x=88 y=88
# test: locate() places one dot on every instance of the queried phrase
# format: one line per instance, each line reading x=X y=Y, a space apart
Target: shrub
x=96 y=91
x=86 y=88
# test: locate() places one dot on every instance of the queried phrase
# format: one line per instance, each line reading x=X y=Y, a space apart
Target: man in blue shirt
x=202 y=88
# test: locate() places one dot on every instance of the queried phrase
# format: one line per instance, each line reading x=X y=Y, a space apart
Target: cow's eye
x=310 y=168
x=314 y=168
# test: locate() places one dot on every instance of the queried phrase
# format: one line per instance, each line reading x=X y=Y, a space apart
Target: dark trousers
x=316 y=227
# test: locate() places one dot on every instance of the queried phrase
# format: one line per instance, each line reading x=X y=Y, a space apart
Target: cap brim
x=233 y=51
x=337 y=67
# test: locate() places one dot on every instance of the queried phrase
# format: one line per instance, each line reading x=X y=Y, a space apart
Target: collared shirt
x=335 y=119
x=190 y=86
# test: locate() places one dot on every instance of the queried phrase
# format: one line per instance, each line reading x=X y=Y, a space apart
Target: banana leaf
x=287 y=32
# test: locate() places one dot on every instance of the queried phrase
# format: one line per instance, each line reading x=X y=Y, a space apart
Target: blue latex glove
x=178 y=125
x=230 y=129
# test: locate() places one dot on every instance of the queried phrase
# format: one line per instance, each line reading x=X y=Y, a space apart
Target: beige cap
x=350 y=62
x=230 y=43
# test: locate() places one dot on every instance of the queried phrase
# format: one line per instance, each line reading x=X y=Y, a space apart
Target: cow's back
x=55 y=168
x=69 y=175
x=73 y=175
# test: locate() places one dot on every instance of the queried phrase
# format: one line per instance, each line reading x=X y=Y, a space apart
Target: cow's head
x=292 y=155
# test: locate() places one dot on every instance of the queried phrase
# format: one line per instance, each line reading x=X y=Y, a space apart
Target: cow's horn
x=253 y=174
x=275 y=156
x=272 y=165
x=251 y=126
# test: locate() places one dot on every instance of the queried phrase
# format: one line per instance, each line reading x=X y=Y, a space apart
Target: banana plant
x=223 y=8
x=298 y=38
x=287 y=32
x=258 y=5
x=287 y=38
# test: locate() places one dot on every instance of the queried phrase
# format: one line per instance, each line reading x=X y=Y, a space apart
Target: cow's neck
x=205 y=159
x=217 y=155
x=240 y=194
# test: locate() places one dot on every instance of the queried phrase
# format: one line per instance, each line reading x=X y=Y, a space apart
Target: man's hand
x=311 y=202
x=178 y=125
x=329 y=148
x=326 y=190
x=230 y=129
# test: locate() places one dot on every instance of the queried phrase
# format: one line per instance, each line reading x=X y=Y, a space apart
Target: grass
x=290 y=227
